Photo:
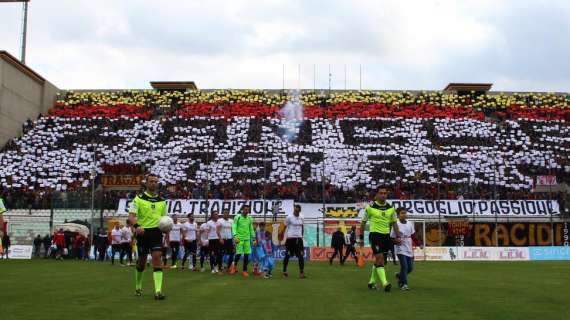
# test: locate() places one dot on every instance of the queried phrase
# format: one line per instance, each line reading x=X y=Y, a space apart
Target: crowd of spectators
x=229 y=144
x=259 y=103
x=62 y=244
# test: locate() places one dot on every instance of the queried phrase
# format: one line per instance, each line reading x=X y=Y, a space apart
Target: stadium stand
x=427 y=144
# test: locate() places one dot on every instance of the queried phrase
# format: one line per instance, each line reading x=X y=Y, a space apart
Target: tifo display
x=57 y=153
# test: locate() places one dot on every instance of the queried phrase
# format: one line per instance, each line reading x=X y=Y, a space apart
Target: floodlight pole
x=330 y=80
x=314 y=78
x=360 y=78
x=299 y=78
x=345 y=79
x=549 y=203
x=495 y=197
x=93 y=175
x=207 y=186
x=24 y=26
x=438 y=168
x=323 y=197
x=283 y=79
x=24 y=31
x=263 y=197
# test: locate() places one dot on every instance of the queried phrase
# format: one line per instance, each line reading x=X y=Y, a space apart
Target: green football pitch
x=42 y=289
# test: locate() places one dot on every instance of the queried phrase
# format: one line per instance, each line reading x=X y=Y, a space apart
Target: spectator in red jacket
x=78 y=244
x=59 y=240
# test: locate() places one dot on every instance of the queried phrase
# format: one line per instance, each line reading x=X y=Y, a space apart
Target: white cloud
x=518 y=45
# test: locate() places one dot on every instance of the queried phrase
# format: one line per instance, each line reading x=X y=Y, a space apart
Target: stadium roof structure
x=4 y=55
x=173 y=85
x=477 y=87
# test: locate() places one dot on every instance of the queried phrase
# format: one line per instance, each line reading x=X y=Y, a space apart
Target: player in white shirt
x=214 y=242
x=174 y=238
x=404 y=247
x=126 y=244
x=204 y=250
x=294 y=244
x=190 y=235
x=226 y=232
x=116 y=236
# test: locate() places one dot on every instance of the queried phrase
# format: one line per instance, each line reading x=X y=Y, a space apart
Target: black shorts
x=380 y=242
x=214 y=245
x=228 y=246
x=175 y=244
x=190 y=246
x=151 y=240
x=294 y=246
x=204 y=250
x=116 y=247
x=126 y=246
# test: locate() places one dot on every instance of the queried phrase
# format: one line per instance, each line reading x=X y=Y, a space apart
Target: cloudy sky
x=517 y=45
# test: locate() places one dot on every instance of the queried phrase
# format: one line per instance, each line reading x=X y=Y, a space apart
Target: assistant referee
x=381 y=216
x=144 y=214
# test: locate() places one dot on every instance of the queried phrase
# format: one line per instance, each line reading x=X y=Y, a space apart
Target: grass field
x=460 y=290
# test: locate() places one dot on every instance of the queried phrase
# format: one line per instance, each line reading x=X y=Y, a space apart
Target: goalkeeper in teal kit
x=242 y=229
